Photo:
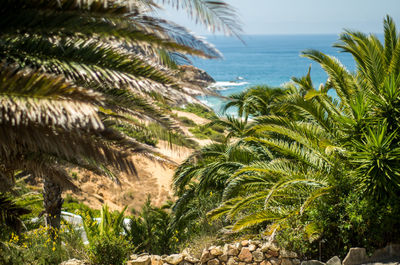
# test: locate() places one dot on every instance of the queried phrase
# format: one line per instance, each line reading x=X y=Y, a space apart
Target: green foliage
x=186 y=121
x=10 y=214
x=307 y=167
x=204 y=132
x=151 y=231
x=199 y=110
x=109 y=249
x=107 y=245
x=141 y=134
x=37 y=247
x=171 y=137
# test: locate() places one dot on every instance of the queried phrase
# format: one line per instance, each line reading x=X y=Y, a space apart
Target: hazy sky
x=305 y=16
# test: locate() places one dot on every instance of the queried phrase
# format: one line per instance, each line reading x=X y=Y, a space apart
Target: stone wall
x=243 y=253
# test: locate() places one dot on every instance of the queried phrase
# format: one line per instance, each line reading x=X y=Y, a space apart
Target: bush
x=204 y=132
x=186 y=121
x=38 y=247
x=108 y=250
x=200 y=111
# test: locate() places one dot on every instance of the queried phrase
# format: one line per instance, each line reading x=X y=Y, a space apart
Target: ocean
x=265 y=59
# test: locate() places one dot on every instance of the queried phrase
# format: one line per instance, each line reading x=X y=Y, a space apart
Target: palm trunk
x=52 y=202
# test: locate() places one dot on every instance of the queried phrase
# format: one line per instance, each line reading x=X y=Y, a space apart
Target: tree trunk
x=52 y=202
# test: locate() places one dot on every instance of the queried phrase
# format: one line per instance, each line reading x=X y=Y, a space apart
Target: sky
x=303 y=16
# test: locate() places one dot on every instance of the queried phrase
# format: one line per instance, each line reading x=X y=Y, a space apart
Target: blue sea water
x=269 y=59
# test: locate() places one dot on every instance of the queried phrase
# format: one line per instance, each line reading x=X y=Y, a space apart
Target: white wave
x=224 y=84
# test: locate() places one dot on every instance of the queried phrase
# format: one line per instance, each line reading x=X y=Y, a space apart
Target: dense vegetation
x=311 y=165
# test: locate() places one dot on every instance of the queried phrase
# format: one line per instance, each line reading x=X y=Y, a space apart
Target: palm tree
x=71 y=70
x=332 y=144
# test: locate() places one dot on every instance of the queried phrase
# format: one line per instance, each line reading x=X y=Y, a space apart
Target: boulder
x=232 y=261
x=142 y=260
x=213 y=262
x=195 y=76
x=216 y=251
x=191 y=259
x=287 y=254
x=252 y=247
x=286 y=262
x=244 y=243
x=245 y=255
x=223 y=257
x=206 y=256
x=312 y=262
x=271 y=253
x=265 y=262
x=296 y=261
x=184 y=262
x=334 y=261
x=156 y=260
x=73 y=262
x=174 y=259
x=258 y=256
x=231 y=250
x=388 y=252
x=275 y=261
x=269 y=246
x=355 y=256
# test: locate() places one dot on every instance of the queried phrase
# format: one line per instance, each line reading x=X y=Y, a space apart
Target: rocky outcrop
x=195 y=81
x=247 y=252
x=250 y=252
x=195 y=76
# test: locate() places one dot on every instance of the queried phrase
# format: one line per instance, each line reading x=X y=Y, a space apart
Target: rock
x=232 y=250
x=244 y=243
x=156 y=260
x=223 y=257
x=174 y=259
x=286 y=262
x=216 y=251
x=265 y=262
x=388 y=252
x=245 y=255
x=271 y=253
x=355 y=256
x=134 y=256
x=142 y=260
x=191 y=259
x=232 y=261
x=73 y=262
x=252 y=247
x=184 y=262
x=196 y=76
x=287 y=254
x=186 y=251
x=275 y=261
x=242 y=263
x=269 y=246
x=334 y=261
x=206 y=256
x=296 y=261
x=258 y=256
x=213 y=262
x=312 y=262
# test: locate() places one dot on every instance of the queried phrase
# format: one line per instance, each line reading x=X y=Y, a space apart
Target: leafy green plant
x=109 y=249
x=151 y=231
x=199 y=110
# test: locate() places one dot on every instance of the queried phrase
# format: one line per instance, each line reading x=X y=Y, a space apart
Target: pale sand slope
x=153 y=178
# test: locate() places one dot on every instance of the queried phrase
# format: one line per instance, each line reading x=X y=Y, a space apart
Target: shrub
x=109 y=249
x=200 y=111
x=38 y=247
